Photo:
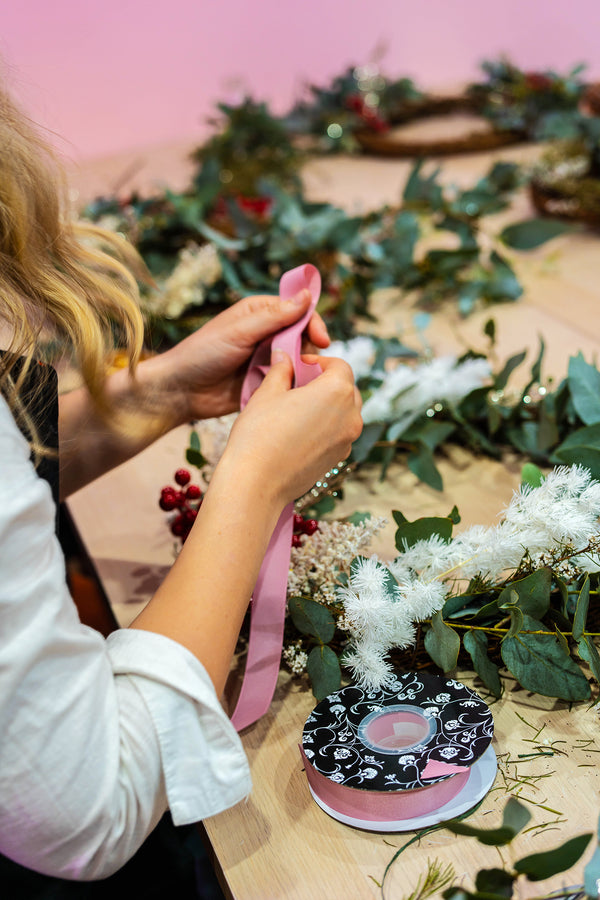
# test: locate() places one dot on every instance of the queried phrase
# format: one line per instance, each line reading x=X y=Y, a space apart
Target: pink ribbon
x=269 y=598
x=384 y=806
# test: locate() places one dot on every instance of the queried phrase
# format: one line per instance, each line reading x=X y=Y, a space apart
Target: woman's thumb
x=282 y=369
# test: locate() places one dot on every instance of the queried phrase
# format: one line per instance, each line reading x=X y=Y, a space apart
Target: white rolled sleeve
x=97 y=737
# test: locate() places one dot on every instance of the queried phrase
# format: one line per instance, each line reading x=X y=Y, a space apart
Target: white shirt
x=97 y=737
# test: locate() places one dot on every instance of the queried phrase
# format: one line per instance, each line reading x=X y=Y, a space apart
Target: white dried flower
x=408 y=391
x=316 y=565
x=370 y=668
x=359 y=353
x=295 y=657
x=197 y=268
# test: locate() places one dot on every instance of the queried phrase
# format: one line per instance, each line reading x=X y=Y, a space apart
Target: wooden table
x=279 y=844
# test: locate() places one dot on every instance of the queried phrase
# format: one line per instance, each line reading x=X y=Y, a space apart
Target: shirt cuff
x=205 y=767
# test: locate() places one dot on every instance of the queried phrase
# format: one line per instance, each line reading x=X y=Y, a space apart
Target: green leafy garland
x=550 y=424
x=255 y=237
x=534 y=106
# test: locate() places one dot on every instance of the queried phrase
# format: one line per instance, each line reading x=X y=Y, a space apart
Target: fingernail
x=277 y=355
x=301 y=297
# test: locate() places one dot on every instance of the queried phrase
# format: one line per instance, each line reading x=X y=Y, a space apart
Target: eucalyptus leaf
x=531 y=475
x=195 y=458
x=516 y=618
x=357 y=518
x=582 y=447
x=487 y=612
x=421 y=463
x=476 y=643
x=533 y=233
x=533 y=593
x=312 y=618
x=584 y=384
x=581 y=610
x=515 y=817
x=588 y=652
x=324 y=671
x=539 y=664
x=501 y=380
x=363 y=445
x=539 y=866
x=454 y=515
x=496 y=882
x=442 y=643
x=562 y=640
x=408 y=533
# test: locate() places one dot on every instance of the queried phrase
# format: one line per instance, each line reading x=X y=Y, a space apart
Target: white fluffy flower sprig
x=383 y=603
x=407 y=392
x=404 y=393
x=197 y=268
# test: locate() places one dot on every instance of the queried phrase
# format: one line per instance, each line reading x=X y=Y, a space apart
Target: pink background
x=122 y=74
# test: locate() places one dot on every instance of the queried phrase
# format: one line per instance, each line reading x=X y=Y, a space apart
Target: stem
x=495 y=630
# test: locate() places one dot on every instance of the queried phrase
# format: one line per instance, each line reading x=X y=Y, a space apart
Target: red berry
x=310 y=526
x=167 y=499
x=296 y=540
x=178 y=526
x=298 y=523
x=182 y=476
x=193 y=492
x=180 y=499
x=189 y=516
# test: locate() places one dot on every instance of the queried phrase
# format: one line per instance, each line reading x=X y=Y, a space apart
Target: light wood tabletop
x=280 y=844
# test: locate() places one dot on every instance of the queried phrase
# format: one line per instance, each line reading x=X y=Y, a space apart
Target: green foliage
x=584 y=382
x=357 y=99
x=544 y=865
x=549 y=425
x=324 y=671
x=495 y=884
x=408 y=533
x=193 y=454
x=514 y=819
x=442 y=643
x=535 y=105
x=312 y=618
x=531 y=475
x=539 y=663
x=476 y=643
x=249 y=143
x=533 y=233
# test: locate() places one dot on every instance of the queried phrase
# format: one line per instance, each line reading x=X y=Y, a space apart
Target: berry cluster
x=185 y=499
x=368 y=114
x=303 y=526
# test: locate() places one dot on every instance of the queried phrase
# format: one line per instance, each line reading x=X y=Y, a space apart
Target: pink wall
x=127 y=73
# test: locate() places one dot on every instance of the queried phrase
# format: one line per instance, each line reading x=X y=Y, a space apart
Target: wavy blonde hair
x=61 y=280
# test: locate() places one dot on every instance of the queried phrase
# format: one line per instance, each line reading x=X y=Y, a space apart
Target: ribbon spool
x=268 y=600
x=400 y=759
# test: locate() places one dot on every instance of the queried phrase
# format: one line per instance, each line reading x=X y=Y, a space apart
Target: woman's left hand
x=204 y=373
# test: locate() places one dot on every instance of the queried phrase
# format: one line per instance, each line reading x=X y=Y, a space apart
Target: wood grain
x=279 y=844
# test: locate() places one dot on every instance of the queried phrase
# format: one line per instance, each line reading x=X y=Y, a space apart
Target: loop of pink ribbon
x=269 y=598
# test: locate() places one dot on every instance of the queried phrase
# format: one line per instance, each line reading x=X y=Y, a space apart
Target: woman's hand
x=279 y=446
x=288 y=438
x=204 y=373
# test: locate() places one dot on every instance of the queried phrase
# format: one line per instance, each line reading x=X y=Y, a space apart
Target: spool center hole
x=397 y=729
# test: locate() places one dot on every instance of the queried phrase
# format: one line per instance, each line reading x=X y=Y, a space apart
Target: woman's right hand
x=288 y=438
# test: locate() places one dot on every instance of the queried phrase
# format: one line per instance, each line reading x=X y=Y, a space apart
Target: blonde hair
x=60 y=279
